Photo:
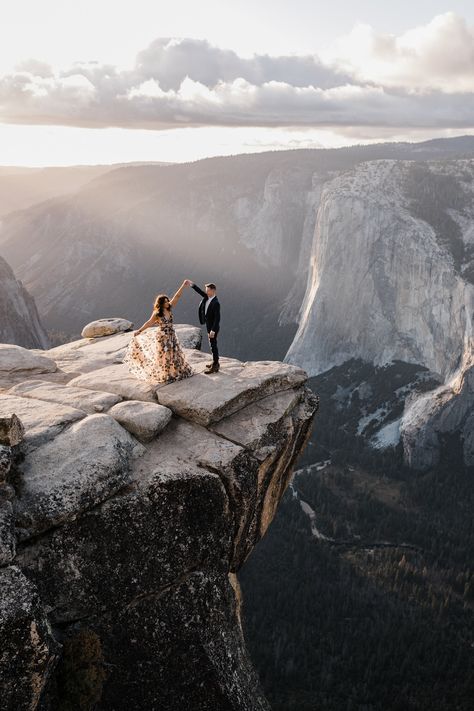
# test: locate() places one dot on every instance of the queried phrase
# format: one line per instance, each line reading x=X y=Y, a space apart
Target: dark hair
x=211 y=286
x=159 y=304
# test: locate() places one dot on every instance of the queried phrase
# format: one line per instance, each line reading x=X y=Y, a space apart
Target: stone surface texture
x=125 y=511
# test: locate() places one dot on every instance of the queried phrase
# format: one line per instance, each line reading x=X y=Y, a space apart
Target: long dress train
x=156 y=355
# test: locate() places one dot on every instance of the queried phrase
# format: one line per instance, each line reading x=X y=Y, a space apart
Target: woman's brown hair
x=159 y=304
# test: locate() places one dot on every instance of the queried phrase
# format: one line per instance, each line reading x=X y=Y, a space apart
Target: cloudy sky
x=108 y=81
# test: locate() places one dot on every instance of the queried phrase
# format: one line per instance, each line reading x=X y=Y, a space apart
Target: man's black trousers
x=214 y=349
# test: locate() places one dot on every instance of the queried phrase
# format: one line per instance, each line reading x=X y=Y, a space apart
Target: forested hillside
x=378 y=615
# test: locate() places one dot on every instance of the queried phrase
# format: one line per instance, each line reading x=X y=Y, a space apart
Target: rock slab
x=144 y=420
x=206 y=399
x=42 y=420
x=80 y=398
x=118 y=380
x=15 y=359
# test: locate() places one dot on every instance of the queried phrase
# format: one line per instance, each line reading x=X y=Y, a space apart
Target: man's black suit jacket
x=212 y=318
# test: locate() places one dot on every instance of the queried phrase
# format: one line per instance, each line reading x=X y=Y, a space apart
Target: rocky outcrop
x=19 y=320
x=444 y=414
x=127 y=512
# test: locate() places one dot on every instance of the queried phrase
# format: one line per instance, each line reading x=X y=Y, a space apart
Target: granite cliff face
x=381 y=286
x=391 y=280
x=125 y=512
x=19 y=320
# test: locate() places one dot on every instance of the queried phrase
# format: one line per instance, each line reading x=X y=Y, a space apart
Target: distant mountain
x=21 y=188
x=19 y=320
x=246 y=222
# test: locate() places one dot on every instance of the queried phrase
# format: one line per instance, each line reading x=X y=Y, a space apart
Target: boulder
x=188 y=336
x=79 y=468
x=145 y=420
x=80 y=398
x=15 y=359
x=88 y=354
x=106 y=327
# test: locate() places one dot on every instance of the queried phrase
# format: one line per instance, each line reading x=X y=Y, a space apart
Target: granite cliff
x=19 y=320
x=382 y=285
x=391 y=280
x=125 y=512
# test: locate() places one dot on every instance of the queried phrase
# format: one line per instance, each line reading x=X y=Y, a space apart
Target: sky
x=102 y=82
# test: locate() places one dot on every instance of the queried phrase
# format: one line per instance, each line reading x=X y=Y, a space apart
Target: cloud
x=170 y=61
x=436 y=56
x=421 y=79
x=33 y=66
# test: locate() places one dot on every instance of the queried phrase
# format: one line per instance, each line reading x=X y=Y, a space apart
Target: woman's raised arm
x=178 y=294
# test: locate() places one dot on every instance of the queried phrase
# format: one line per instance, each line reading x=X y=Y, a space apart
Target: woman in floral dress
x=156 y=356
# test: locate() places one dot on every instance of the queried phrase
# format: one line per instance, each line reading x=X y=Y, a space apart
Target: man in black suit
x=209 y=314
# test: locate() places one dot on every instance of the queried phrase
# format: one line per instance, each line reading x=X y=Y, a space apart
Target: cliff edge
x=125 y=512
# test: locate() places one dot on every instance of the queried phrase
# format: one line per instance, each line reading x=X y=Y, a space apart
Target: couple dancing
x=157 y=356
